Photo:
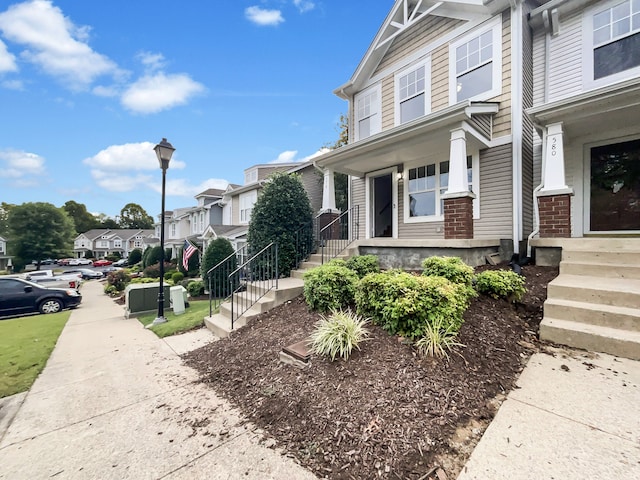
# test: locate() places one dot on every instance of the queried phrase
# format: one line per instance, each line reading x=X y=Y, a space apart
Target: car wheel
x=50 y=305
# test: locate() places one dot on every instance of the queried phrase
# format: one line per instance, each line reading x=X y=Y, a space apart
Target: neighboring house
x=586 y=108
x=440 y=152
x=103 y=242
x=5 y=259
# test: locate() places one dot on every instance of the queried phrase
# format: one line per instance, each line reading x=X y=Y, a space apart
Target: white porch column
x=328 y=192
x=553 y=178
x=458 y=182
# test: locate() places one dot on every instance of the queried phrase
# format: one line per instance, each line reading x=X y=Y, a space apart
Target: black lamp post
x=164 y=151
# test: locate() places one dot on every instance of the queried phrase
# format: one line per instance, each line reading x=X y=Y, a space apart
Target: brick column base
x=325 y=219
x=458 y=217
x=555 y=216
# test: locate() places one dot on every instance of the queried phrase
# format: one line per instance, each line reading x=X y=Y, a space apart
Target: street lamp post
x=164 y=151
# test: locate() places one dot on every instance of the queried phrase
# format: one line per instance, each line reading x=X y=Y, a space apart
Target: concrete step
x=610 y=257
x=308 y=265
x=220 y=325
x=596 y=268
x=602 y=315
x=244 y=300
x=620 y=292
x=614 y=341
x=595 y=244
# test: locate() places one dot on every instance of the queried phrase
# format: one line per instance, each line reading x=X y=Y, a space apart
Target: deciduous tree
x=82 y=219
x=133 y=215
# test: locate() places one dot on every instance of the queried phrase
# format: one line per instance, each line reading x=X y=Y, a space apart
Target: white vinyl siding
x=368 y=111
x=412 y=93
x=475 y=64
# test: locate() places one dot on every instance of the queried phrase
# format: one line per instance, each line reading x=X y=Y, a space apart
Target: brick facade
x=555 y=216
x=458 y=217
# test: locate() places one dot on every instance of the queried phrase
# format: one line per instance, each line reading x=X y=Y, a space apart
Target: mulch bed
x=386 y=412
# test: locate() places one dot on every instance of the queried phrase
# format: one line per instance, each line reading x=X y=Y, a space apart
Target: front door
x=614 y=202
x=382 y=206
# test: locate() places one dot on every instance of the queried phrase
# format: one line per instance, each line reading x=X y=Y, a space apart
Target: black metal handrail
x=336 y=236
x=253 y=280
x=305 y=242
x=218 y=277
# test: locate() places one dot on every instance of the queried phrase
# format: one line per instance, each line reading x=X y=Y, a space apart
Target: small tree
x=153 y=257
x=281 y=209
x=217 y=251
x=135 y=256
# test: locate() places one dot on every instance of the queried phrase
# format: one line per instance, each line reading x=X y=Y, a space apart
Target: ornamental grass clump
x=501 y=284
x=338 y=334
x=329 y=287
x=438 y=340
x=451 y=268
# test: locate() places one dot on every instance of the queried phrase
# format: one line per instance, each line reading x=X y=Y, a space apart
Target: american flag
x=187 y=250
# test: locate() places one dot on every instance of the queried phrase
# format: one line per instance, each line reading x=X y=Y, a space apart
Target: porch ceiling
x=407 y=142
x=608 y=108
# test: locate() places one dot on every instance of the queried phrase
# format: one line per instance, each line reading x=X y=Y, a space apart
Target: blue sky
x=88 y=88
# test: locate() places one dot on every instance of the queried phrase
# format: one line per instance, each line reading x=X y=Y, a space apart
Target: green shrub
x=438 y=340
x=405 y=304
x=451 y=268
x=153 y=271
x=329 y=287
x=195 y=288
x=177 y=277
x=135 y=256
x=118 y=280
x=144 y=280
x=110 y=290
x=501 y=284
x=363 y=264
x=338 y=262
x=167 y=275
x=217 y=251
x=152 y=256
x=338 y=334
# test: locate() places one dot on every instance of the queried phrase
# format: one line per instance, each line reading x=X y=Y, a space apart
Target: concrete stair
x=594 y=303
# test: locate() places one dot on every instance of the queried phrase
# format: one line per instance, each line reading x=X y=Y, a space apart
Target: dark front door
x=382 y=202
x=615 y=187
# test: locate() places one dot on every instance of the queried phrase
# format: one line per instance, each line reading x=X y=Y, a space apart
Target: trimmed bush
x=153 y=271
x=177 y=277
x=134 y=257
x=195 y=288
x=168 y=275
x=152 y=256
x=405 y=304
x=118 y=280
x=451 y=268
x=363 y=264
x=501 y=284
x=329 y=287
x=338 y=334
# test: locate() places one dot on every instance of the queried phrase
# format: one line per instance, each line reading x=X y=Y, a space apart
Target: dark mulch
x=386 y=412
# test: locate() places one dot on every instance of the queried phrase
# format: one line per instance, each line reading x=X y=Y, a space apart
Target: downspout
x=517 y=112
x=536 y=210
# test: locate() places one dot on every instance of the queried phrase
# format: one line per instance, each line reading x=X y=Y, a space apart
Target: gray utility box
x=143 y=297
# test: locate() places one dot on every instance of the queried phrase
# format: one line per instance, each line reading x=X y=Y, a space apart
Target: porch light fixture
x=400 y=169
x=164 y=152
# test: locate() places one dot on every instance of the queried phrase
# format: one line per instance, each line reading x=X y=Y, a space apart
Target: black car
x=19 y=296
x=86 y=273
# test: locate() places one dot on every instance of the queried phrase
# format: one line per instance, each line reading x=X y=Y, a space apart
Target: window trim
x=252 y=195
x=475 y=185
x=494 y=25
x=377 y=89
x=426 y=63
x=588 y=50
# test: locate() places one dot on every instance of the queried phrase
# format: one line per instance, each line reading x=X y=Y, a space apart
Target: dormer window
x=251 y=176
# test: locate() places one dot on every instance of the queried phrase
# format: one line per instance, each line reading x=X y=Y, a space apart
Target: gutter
x=517 y=121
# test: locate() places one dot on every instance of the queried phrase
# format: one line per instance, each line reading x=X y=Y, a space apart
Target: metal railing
x=253 y=280
x=339 y=234
x=218 y=277
x=306 y=242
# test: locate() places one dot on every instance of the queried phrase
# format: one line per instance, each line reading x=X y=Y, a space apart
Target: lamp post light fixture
x=164 y=151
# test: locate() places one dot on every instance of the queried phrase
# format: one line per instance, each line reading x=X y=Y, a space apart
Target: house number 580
x=554 y=147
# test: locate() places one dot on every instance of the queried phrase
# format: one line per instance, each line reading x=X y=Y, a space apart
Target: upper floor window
x=251 y=176
x=137 y=243
x=173 y=229
x=412 y=93
x=201 y=222
x=367 y=108
x=247 y=200
x=616 y=39
x=104 y=244
x=475 y=64
x=117 y=244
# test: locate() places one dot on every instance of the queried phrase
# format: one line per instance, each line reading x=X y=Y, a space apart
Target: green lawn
x=193 y=317
x=25 y=346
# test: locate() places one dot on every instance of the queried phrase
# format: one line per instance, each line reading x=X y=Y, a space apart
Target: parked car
x=60 y=281
x=64 y=261
x=107 y=270
x=80 y=261
x=102 y=263
x=121 y=263
x=86 y=273
x=38 y=274
x=18 y=296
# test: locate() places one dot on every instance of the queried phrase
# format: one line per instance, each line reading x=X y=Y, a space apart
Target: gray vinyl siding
x=483 y=123
x=539 y=67
x=565 y=59
x=358 y=198
x=496 y=194
x=502 y=120
x=527 y=126
x=312 y=182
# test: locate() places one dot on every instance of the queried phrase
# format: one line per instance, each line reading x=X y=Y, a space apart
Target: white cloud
x=151 y=61
x=263 y=17
x=289 y=156
x=183 y=188
x=55 y=44
x=7 y=60
x=17 y=164
x=304 y=5
x=152 y=94
x=13 y=84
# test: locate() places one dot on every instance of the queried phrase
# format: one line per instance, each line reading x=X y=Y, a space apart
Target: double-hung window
x=475 y=65
x=427 y=184
x=117 y=244
x=412 y=93
x=616 y=39
x=247 y=200
x=367 y=109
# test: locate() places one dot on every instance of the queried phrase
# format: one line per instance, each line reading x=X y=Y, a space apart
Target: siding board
x=496 y=194
x=565 y=59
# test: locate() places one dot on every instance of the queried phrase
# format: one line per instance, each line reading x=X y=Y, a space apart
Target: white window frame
x=589 y=47
x=104 y=243
x=246 y=201
x=251 y=176
x=137 y=244
x=117 y=244
x=439 y=216
x=375 y=111
x=426 y=63
x=201 y=222
x=494 y=25
x=173 y=230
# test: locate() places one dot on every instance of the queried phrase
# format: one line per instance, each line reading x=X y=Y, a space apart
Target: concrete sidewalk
x=115 y=402
x=574 y=416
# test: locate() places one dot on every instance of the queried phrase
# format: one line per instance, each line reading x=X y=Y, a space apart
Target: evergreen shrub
x=363 y=264
x=329 y=287
x=501 y=284
x=451 y=268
